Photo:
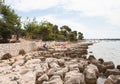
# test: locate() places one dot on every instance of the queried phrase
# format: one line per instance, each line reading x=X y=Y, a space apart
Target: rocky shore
x=55 y=66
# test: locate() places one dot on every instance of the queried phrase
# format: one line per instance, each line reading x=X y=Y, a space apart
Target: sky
x=94 y=18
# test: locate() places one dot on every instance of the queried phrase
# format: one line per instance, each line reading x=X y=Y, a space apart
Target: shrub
x=6 y=56
x=22 y=52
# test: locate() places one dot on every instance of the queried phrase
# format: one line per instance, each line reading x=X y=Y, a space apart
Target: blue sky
x=95 y=18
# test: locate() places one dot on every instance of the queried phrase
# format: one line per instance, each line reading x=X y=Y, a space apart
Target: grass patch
x=22 y=52
x=6 y=56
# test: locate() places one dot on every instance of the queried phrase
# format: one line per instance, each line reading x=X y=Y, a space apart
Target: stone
x=44 y=66
x=109 y=65
x=112 y=72
x=73 y=67
x=118 y=67
x=74 y=77
x=91 y=74
x=51 y=72
x=54 y=80
x=5 y=69
x=28 y=57
x=44 y=77
x=61 y=72
x=81 y=67
x=28 y=78
x=33 y=61
x=49 y=60
x=102 y=68
x=101 y=61
x=91 y=57
x=19 y=62
x=113 y=79
x=61 y=62
x=54 y=65
x=105 y=65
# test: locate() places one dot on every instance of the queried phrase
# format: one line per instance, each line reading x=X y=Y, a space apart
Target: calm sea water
x=108 y=50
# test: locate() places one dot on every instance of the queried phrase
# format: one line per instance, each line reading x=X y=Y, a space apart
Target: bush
x=6 y=56
x=22 y=52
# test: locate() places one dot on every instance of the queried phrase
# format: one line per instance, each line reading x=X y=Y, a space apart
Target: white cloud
x=109 y=9
x=28 y=5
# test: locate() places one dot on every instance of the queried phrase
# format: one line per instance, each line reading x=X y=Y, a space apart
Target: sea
x=109 y=50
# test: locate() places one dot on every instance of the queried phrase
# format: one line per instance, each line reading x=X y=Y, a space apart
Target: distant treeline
x=10 y=24
x=111 y=39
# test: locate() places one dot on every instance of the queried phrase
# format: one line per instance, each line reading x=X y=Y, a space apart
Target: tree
x=72 y=36
x=10 y=23
x=80 y=36
x=55 y=31
x=65 y=30
x=48 y=31
x=32 y=29
x=5 y=32
x=75 y=33
x=44 y=33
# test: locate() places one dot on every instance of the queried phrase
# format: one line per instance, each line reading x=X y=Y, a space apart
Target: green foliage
x=72 y=36
x=22 y=52
x=9 y=23
x=65 y=30
x=47 y=31
x=6 y=56
x=80 y=36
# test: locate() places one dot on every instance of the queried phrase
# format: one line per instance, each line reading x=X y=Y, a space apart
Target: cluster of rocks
x=70 y=66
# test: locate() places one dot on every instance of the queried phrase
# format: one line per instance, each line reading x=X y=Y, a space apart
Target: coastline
x=60 y=65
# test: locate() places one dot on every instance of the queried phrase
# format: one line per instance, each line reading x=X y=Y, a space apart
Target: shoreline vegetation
x=12 y=28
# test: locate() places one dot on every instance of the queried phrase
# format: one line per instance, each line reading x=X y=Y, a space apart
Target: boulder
x=51 y=72
x=68 y=63
x=74 y=66
x=113 y=79
x=61 y=72
x=101 y=61
x=105 y=65
x=91 y=74
x=5 y=69
x=81 y=67
x=61 y=62
x=118 y=67
x=91 y=57
x=28 y=78
x=101 y=68
x=44 y=66
x=44 y=77
x=109 y=65
x=54 y=80
x=74 y=77
x=19 y=62
x=11 y=78
x=33 y=61
x=112 y=72
x=54 y=65
x=49 y=60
